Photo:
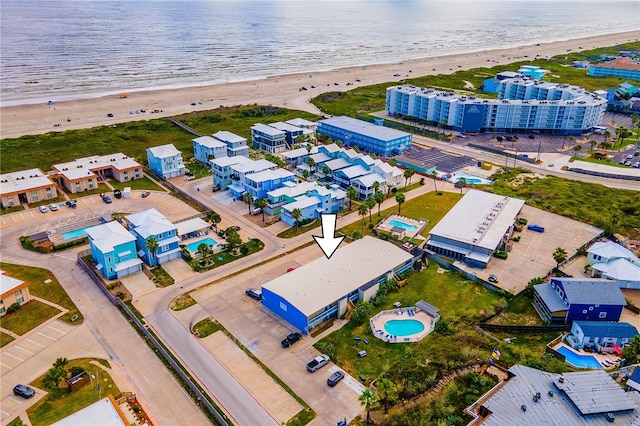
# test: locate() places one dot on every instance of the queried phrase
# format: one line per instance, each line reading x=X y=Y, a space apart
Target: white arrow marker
x=328 y=243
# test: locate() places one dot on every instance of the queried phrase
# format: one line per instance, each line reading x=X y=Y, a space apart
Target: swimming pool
x=469 y=179
x=76 y=233
x=584 y=361
x=193 y=247
x=404 y=327
x=403 y=225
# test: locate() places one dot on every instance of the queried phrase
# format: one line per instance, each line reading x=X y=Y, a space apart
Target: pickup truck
x=317 y=363
x=536 y=228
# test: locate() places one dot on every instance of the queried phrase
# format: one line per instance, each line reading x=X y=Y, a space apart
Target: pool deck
x=378 y=321
x=599 y=357
x=419 y=224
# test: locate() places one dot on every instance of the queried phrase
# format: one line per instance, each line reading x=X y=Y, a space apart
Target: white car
x=53 y=207
x=43 y=209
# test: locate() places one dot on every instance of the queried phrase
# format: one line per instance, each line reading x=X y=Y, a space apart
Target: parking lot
x=445 y=162
x=532 y=256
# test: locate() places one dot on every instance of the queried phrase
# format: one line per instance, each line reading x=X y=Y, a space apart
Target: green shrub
x=522 y=221
x=500 y=254
x=14 y=307
x=516 y=239
x=75 y=370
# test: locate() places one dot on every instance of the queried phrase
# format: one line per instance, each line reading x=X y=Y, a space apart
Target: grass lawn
x=16 y=422
x=429 y=206
x=222 y=258
x=141 y=184
x=206 y=327
x=102 y=188
x=57 y=405
x=161 y=278
x=181 y=302
x=5 y=339
x=608 y=208
x=52 y=291
x=519 y=312
x=28 y=317
x=458 y=299
x=199 y=170
x=9 y=210
x=596 y=161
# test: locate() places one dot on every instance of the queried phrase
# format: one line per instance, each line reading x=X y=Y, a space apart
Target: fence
x=601 y=174
x=523 y=328
x=152 y=340
x=522 y=157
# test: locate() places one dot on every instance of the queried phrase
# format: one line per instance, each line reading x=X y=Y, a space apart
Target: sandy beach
x=282 y=90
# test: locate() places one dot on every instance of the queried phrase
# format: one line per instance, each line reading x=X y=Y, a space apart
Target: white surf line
x=36 y=343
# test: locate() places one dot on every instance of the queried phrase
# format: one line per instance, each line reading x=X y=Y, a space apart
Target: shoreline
x=277 y=90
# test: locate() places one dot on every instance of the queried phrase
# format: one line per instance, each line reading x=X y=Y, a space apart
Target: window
x=21 y=300
x=584 y=311
x=283 y=306
x=164 y=248
x=602 y=315
x=2 y=310
x=591 y=308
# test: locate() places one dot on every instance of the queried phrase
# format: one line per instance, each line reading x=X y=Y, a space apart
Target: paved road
x=237 y=401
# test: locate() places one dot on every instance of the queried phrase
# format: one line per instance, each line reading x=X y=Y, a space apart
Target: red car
x=291 y=269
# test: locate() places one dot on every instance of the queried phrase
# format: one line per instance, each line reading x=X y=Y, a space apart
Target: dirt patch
x=468 y=85
x=524 y=177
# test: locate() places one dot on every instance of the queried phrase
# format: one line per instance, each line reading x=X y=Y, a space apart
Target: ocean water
x=63 y=49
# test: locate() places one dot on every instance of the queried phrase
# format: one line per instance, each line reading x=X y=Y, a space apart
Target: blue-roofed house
x=634 y=380
x=206 y=148
x=236 y=145
x=365 y=185
x=345 y=176
x=315 y=202
x=291 y=132
x=532 y=71
x=367 y=136
x=166 y=161
x=600 y=333
x=113 y=250
x=269 y=139
x=614 y=262
x=564 y=300
x=259 y=183
x=241 y=170
x=152 y=224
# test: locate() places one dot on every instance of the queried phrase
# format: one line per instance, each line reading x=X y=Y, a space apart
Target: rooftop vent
x=561 y=379
x=611 y=417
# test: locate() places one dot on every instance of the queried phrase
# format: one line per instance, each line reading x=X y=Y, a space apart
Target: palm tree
x=326 y=170
x=214 y=218
x=399 y=200
x=369 y=400
x=296 y=214
x=262 y=203
x=393 y=162
x=407 y=176
x=607 y=135
x=379 y=198
x=388 y=393
x=352 y=194
x=559 y=255
x=370 y=203
x=593 y=144
x=203 y=250
x=463 y=182
x=576 y=149
x=376 y=186
x=311 y=163
x=434 y=175
x=362 y=211
x=248 y=198
x=152 y=245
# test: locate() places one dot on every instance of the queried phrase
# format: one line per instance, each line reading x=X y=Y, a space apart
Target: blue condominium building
x=524 y=105
x=366 y=136
x=622 y=67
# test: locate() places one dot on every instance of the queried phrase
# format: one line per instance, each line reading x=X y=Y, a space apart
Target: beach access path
x=281 y=90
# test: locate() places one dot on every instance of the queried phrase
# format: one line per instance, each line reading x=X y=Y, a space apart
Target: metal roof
x=618 y=269
x=551 y=299
x=607 y=329
x=609 y=250
x=589 y=291
x=583 y=399
x=363 y=128
x=324 y=281
x=108 y=236
x=164 y=151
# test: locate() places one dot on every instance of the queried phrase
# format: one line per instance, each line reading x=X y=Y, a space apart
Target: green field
x=28 y=317
x=51 y=291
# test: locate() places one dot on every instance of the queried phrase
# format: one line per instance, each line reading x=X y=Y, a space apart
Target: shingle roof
x=109 y=235
x=607 y=329
x=619 y=269
x=163 y=151
x=611 y=250
x=584 y=292
x=551 y=299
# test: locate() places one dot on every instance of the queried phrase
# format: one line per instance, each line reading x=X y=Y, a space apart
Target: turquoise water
x=584 y=361
x=470 y=179
x=403 y=327
x=193 y=247
x=76 y=233
x=402 y=225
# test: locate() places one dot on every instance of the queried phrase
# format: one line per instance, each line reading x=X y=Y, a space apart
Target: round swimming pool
x=403 y=327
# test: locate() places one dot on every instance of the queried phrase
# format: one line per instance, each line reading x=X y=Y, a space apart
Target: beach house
x=12 y=290
x=614 y=262
x=166 y=161
x=236 y=145
x=26 y=186
x=291 y=132
x=113 y=250
x=564 y=300
x=314 y=203
x=479 y=224
x=206 y=148
x=325 y=289
x=269 y=139
x=84 y=174
x=367 y=136
x=626 y=68
x=600 y=334
x=157 y=239
x=259 y=183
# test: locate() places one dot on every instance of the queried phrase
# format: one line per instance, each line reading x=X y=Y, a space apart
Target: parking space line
x=4 y=413
x=35 y=343
x=48 y=337
x=15 y=400
x=13 y=356
x=55 y=329
x=23 y=349
x=5 y=365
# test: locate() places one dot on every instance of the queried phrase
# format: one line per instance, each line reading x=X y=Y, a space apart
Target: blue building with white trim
x=113 y=250
x=314 y=203
x=152 y=224
x=325 y=289
x=366 y=136
x=166 y=161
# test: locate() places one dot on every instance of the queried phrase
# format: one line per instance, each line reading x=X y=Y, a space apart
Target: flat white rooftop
x=102 y=412
x=16 y=182
x=479 y=219
x=8 y=283
x=324 y=281
x=119 y=161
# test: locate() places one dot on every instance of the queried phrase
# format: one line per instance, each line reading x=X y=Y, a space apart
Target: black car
x=254 y=293
x=23 y=391
x=106 y=199
x=145 y=194
x=291 y=339
x=117 y=193
x=335 y=378
x=71 y=203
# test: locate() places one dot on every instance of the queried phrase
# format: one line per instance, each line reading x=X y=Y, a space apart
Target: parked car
x=53 y=207
x=235 y=227
x=257 y=211
x=71 y=203
x=335 y=378
x=43 y=209
x=23 y=391
x=317 y=363
x=536 y=228
x=117 y=193
x=254 y=293
x=493 y=278
x=106 y=199
x=145 y=194
x=216 y=188
x=290 y=339
x=110 y=115
x=291 y=268
x=461 y=135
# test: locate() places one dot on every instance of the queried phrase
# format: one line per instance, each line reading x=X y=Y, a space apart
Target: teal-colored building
x=113 y=250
